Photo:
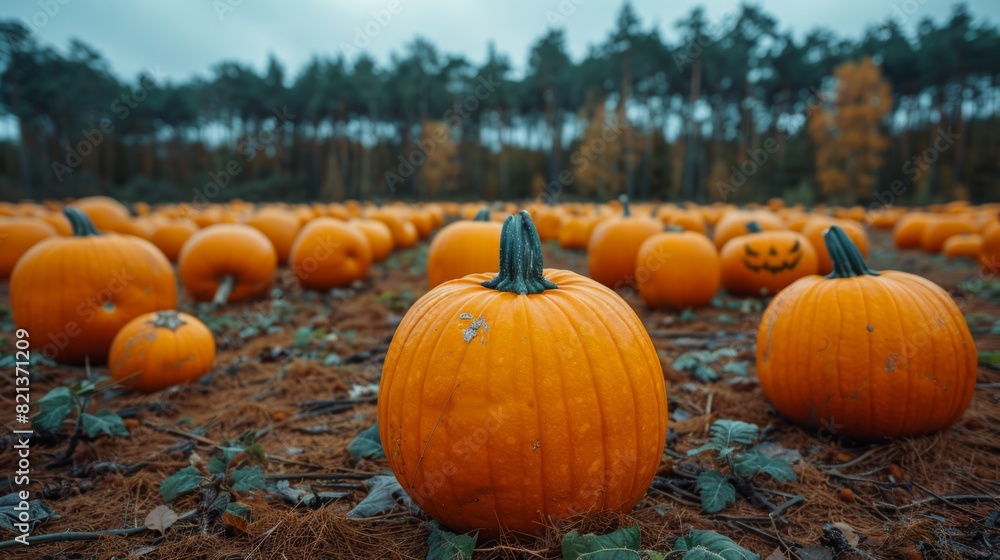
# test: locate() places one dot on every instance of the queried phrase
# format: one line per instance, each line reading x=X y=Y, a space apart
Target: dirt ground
x=286 y=368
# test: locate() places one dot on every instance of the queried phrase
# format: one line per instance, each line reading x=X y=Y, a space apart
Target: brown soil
x=893 y=495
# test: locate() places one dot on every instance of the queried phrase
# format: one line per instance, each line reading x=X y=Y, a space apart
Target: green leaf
x=384 y=493
x=622 y=544
x=367 y=445
x=725 y=434
x=53 y=408
x=687 y=316
x=219 y=463
x=302 y=337
x=709 y=545
x=715 y=490
x=37 y=511
x=739 y=368
x=685 y=362
x=181 y=482
x=704 y=374
x=249 y=478
x=445 y=545
x=239 y=510
x=104 y=422
x=754 y=461
x=991 y=357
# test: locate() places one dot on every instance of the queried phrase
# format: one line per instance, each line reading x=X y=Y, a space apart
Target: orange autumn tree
x=847 y=132
x=439 y=170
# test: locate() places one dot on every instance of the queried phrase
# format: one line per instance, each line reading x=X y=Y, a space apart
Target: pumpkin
x=404 y=233
x=58 y=221
x=511 y=401
x=734 y=224
x=989 y=258
x=17 y=235
x=464 y=247
x=107 y=214
x=968 y=245
x=161 y=349
x=329 y=253
x=765 y=262
x=863 y=354
x=170 y=236
x=73 y=294
x=813 y=231
x=939 y=229
x=379 y=237
x=664 y=268
x=423 y=221
x=614 y=246
x=280 y=227
x=226 y=263
x=688 y=220
x=548 y=220
x=908 y=231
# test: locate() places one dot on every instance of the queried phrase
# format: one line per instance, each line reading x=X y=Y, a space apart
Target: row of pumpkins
x=553 y=367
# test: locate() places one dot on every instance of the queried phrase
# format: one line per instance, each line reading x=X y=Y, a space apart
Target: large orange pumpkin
x=17 y=235
x=678 y=269
x=765 y=262
x=507 y=403
x=161 y=349
x=462 y=248
x=329 y=253
x=866 y=355
x=73 y=294
x=280 y=227
x=227 y=263
x=813 y=231
x=614 y=246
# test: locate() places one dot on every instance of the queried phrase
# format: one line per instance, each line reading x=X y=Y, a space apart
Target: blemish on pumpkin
x=465 y=316
x=108 y=307
x=470 y=333
x=584 y=428
x=536 y=445
x=890 y=365
x=871 y=328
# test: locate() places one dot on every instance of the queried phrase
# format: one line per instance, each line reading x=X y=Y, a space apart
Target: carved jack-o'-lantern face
x=766 y=262
x=774 y=259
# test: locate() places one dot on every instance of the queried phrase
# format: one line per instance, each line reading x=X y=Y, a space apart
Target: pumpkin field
x=531 y=379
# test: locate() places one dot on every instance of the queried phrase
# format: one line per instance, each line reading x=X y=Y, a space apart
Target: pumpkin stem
x=626 y=211
x=753 y=227
x=673 y=229
x=81 y=224
x=226 y=285
x=520 y=258
x=847 y=260
x=483 y=215
x=168 y=320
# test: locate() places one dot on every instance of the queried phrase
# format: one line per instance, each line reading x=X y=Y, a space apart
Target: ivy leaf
x=37 y=511
x=725 y=434
x=182 y=481
x=245 y=479
x=53 y=408
x=622 y=544
x=715 y=490
x=445 y=545
x=220 y=463
x=384 y=493
x=755 y=461
x=709 y=545
x=367 y=445
x=104 y=422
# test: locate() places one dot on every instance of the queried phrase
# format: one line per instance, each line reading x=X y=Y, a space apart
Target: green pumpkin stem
x=520 y=258
x=626 y=211
x=81 y=224
x=753 y=227
x=847 y=260
x=673 y=229
x=483 y=215
x=168 y=320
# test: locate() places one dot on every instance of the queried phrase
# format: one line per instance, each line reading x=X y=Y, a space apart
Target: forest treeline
x=736 y=109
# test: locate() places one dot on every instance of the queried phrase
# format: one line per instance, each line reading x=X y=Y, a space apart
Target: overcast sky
x=187 y=37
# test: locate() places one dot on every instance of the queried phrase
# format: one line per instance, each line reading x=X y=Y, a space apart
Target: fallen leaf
x=849 y=533
x=160 y=519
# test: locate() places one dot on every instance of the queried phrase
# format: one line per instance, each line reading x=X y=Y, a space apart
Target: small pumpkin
x=161 y=349
x=614 y=246
x=170 y=236
x=512 y=401
x=464 y=247
x=765 y=262
x=989 y=258
x=909 y=230
x=678 y=269
x=17 y=235
x=940 y=228
x=968 y=246
x=329 y=253
x=280 y=227
x=226 y=263
x=105 y=213
x=379 y=237
x=73 y=294
x=575 y=231
x=813 y=231
x=404 y=233
x=734 y=224
x=867 y=355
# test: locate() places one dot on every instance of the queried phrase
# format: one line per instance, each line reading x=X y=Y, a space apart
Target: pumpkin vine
x=520 y=258
x=847 y=260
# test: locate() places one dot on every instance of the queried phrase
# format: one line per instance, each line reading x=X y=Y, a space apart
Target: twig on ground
x=90 y=536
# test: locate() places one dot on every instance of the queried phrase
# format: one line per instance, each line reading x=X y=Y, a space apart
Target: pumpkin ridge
x=541 y=480
x=915 y=377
